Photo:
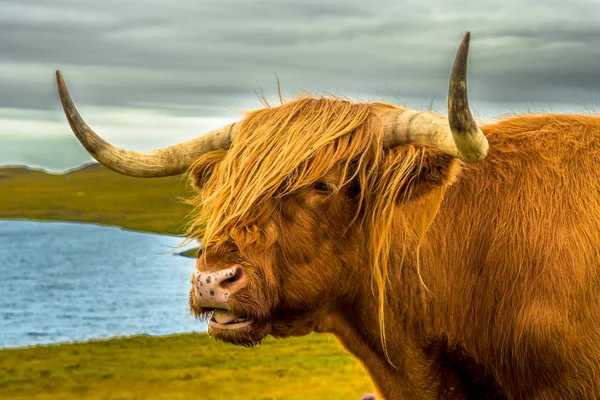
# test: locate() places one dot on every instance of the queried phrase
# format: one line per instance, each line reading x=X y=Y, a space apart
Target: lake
x=71 y=282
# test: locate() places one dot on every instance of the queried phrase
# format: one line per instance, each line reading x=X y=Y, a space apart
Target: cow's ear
x=202 y=169
x=425 y=170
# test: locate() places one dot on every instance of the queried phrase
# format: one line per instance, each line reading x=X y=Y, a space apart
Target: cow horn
x=457 y=135
x=168 y=161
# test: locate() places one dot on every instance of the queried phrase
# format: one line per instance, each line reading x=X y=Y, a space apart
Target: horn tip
x=59 y=80
x=464 y=46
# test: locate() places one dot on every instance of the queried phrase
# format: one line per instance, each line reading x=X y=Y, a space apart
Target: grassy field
x=95 y=194
x=189 y=366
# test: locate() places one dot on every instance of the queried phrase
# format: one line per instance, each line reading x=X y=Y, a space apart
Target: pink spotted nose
x=214 y=288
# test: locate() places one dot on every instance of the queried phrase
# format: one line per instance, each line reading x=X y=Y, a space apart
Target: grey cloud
x=207 y=58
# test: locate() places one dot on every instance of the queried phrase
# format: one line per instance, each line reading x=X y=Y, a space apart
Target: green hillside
x=94 y=194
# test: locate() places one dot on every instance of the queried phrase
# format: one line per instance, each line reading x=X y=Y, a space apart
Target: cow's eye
x=322 y=188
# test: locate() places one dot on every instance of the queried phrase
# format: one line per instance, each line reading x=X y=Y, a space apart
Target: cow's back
x=513 y=256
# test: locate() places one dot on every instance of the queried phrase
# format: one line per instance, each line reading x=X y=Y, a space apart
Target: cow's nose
x=214 y=288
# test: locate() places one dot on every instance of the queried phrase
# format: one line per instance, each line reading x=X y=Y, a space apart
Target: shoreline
x=188 y=253
x=100 y=340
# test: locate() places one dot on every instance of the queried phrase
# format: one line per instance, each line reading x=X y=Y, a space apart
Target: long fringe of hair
x=282 y=149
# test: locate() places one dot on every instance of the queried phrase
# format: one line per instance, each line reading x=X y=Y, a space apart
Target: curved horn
x=168 y=161
x=457 y=135
x=470 y=141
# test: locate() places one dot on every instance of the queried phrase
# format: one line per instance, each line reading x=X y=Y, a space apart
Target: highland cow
x=448 y=270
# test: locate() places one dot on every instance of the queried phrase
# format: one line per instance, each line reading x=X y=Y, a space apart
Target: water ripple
x=67 y=281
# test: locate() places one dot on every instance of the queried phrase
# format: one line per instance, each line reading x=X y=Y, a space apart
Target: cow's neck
x=357 y=327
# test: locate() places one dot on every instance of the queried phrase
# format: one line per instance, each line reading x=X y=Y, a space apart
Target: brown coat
x=483 y=277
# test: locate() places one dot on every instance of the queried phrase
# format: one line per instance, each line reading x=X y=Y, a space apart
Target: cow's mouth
x=228 y=320
x=235 y=327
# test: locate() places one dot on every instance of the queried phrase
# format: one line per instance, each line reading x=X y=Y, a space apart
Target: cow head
x=295 y=203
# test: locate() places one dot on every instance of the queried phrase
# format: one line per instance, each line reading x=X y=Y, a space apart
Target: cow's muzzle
x=213 y=291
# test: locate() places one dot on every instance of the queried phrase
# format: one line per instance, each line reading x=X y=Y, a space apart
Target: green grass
x=190 y=366
x=174 y=367
x=95 y=194
x=192 y=253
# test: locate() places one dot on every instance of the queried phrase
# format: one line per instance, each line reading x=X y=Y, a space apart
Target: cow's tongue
x=224 y=316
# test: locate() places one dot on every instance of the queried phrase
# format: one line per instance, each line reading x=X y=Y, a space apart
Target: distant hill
x=93 y=193
x=5 y=172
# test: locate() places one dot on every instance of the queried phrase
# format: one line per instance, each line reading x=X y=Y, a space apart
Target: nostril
x=236 y=275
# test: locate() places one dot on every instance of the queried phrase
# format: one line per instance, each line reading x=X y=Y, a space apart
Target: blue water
x=72 y=282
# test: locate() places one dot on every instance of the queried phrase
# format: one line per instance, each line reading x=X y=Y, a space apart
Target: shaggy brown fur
x=445 y=280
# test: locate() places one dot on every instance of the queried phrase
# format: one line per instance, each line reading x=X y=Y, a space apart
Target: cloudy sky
x=149 y=73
